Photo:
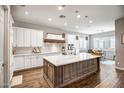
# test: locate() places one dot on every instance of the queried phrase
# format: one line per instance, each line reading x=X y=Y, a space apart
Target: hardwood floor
x=108 y=77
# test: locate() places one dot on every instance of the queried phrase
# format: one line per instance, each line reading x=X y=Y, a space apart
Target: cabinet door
x=19 y=63
x=27 y=37
x=33 y=38
x=28 y=62
x=66 y=73
x=51 y=72
x=33 y=61
x=20 y=37
x=39 y=60
x=39 y=38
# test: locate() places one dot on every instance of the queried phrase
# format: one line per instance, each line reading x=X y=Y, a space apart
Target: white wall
x=119 y=29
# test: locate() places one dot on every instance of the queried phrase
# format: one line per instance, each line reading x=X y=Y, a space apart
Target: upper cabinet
x=24 y=37
x=33 y=38
x=20 y=37
x=27 y=37
x=39 y=38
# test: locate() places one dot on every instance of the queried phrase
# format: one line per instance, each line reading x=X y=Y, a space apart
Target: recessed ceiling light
x=65 y=24
x=90 y=21
x=26 y=12
x=78 y=16
x=76 y=26
x=60 y=8
x=49 y=19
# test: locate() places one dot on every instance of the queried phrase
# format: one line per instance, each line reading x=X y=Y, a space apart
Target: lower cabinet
x=19 y=63
x=39 y=60
x=33 y=61
x=26 y=62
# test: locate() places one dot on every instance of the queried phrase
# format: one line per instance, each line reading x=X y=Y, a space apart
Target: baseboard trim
x=119 y=68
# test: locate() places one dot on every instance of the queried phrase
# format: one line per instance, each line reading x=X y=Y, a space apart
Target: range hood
x=54 y=38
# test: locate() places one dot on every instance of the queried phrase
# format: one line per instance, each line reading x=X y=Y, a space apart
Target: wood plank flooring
x=108 y=77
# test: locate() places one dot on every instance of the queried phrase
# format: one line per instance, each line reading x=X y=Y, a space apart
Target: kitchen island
x=60 y=70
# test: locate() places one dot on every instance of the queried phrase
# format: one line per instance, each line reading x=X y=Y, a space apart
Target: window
x=104 y=43
x=83 y=43
x=96 y=43
x=112 y=44
x=101 y=43
x=107 y=43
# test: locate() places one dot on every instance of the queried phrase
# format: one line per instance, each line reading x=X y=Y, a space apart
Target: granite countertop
x=60 y=59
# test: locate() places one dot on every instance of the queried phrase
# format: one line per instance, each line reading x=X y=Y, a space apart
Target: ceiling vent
x=76 y=11
x=62 y=16
x=86 y=16
x=63 y=5
x=23 y=5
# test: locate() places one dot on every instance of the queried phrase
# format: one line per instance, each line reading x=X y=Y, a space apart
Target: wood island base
x=60 y=76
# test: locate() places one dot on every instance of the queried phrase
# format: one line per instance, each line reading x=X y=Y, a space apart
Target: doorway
x=1 y=45
x=4 y=46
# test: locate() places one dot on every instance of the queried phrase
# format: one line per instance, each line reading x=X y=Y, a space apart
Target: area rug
x=16 y=80
x=108 y=62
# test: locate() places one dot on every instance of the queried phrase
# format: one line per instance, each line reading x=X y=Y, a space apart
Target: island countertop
x=60 y=59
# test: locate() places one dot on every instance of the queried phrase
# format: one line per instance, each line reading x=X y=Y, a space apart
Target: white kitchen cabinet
x=39 y=60
x=33 y=61
x=27 y=38
x=24 y=37
x=19 y=63
x=39 y=38
x=20 y=37
x=36 y=38
x=27 y=61
x=33 y=38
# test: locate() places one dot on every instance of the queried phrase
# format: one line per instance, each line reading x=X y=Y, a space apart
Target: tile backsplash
x=47 y=47
x=52 y=47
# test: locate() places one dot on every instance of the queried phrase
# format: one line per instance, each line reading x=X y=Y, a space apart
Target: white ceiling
x=103 y=16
